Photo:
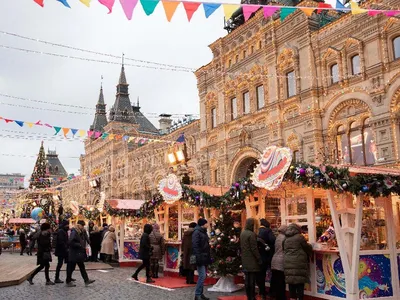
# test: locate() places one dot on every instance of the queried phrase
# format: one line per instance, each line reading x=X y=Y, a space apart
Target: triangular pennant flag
x=128 y=6
x=20 y=123
x=74 y=131
x=40 y=2
x=190 y=8
x=65 y=130
x=391 y=13
x=38 y=123
x=48 y=125
x=210 y=8
x=90 y=133
x=269 y=11
x=131 y=139
x=86 y=2
x=118 y=137
x=57 y=129
x=308 y=11
x=125 y=138
x=229 y=9
x=149 y=6
x=81 y=132
x=170 y=8
x=374 y=12
x=323 y=6
x=104 y=136
x=108 y=3
x=248 y=10
x=355 y=9
x=30 y=125
x=286 y=11
x=97 y=134
x=8 y=120
x=65 y=3
x=339 y=5
x=111 y=136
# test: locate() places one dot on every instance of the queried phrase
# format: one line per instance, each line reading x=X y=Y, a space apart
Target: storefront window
x=371 y=155
x=133 y=230
x=373 y=230
x=273 y=211
x=173 y=223
x=296 y=206
x=356 y=140
x=323 y=218
x=396 y=218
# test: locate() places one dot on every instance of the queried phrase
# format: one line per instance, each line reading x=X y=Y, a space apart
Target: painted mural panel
x=131 y=250
x=172 y=257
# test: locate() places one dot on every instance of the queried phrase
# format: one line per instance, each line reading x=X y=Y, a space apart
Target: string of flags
x=88 y=133
x=190 y=8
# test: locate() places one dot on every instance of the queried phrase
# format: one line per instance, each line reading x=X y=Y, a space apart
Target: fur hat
x=202 y=222
x=44 y=226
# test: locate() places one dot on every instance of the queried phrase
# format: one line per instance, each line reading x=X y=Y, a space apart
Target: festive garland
x=120 y=212
x=90 y=214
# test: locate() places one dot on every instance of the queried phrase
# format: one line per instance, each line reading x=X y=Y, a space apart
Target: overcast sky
x=77 y=82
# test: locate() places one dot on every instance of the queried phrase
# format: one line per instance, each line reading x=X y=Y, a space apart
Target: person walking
x=187 y=252
x=158 y=244
x=33 y=236
x=95 y=243
x=77 y=254
x=107 y=245
x=201 y=250
x=61 y=248
x=278 y=275
x=145 y=254
x=22 y=240
x=251 y=258
x=297 y=254
x=43 y=254
x=266 y=248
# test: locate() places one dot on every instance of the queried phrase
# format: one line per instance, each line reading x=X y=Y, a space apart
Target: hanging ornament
x=317 y=173
x=309 y=172
x=344 y=185
x=331 y=174
x=302 y=172
x=364 y=189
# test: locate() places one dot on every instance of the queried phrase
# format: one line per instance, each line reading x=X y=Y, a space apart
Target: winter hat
x=44 y=226
x=64 y=223
x=81 y=222
x=202 y=222
x=156 y=227
x=192 y=225
x=265 y=223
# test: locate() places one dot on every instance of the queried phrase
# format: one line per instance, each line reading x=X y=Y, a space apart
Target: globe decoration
x=37 y=213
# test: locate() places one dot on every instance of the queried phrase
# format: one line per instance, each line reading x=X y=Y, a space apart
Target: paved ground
x=112 y=284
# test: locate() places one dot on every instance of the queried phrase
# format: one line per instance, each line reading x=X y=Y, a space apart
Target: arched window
x=355 y=64
x=356 y=144
x=371 y=155
x=342 y=146
x=335 y=73
x=396 y=47
x=237 y=58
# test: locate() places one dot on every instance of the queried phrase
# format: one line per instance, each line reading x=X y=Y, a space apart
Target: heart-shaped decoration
x=274 y=163
x=170 y=188
x=74 y=207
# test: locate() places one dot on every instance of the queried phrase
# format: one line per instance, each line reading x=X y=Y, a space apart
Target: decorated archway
x=243 y=164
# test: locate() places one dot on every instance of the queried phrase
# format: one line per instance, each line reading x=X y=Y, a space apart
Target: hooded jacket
x=201 y=246
x=251 y=259
x=145 y=246
x=157 y=242
x=62 y=240
x=44 y=245
x=297 y=253
x=76 y=243
x=265 y=234
x=187 y=248
x=277 y=259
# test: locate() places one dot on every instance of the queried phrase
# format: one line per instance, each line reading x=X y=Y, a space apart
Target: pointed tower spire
x=100 y=118
x=122 y=77
x=39 y=178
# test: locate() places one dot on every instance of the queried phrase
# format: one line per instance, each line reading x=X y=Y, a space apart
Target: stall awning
x=22 y=221
x=125 y=203
x=372 y=170
x=212 y=190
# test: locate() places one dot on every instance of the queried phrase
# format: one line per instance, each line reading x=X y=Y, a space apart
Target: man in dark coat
x=187 y=252
x=251 y=259
x=266 y=246
x=77 y=254
x=145 y=253
x=201 y=249
x=297 y=255
x=22 y=240
x=61 y=248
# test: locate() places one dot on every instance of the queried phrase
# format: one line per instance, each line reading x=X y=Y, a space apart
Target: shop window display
x=396 y=218
x=273 y=211
x=173 y=223
x=297 y=206
x=373 y=230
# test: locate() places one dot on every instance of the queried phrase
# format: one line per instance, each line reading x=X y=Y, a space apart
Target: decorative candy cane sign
x=273 y=165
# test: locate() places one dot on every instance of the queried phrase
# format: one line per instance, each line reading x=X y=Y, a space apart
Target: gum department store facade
x=331 y=93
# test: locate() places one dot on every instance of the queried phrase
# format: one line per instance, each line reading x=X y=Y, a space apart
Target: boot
x=58 y=281
x=204 y=297
x=156 y=267
x=134 y=276
x=49 y=282
x=149 y=280
x=89 y=281
x=30 y=280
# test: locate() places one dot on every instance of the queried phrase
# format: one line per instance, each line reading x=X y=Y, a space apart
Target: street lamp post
x=178 y=159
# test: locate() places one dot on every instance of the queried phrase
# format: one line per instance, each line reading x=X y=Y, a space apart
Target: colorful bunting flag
x=323 y=6
x=57 y=129
x=8 y=120
x=210 y=8
x=118 y=137
x=111 y=136
x=392 y=13
x=131 y=139
x=65 y=130
x=65 y=3
x=97 y=134
x=82 y=133
x=170 y=8
x=128 y=6
x=149 y=6
x=40 y=2
x=286 y=11
x=86 y=2
x=104 y=136
x=74 y=131
x=20 y=123
x=229 y=9
x=125 y=138
x=30 y=125
x=190 y=8
x=108 y=3
x=339 y=5
x=90 y=133
x=355 y=9
x=269 y=11
x=308 y=11
x=248 y=10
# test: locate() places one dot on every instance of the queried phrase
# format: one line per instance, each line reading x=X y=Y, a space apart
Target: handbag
x=46 y=257
x=192 y=259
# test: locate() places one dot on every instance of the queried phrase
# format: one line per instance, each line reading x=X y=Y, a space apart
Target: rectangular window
x=335 y=73
x=355 y=65
x=234 y=108
x=291 y=84
x=246 y=103
x=260 y=97
x=214 y=117
x=215 y=176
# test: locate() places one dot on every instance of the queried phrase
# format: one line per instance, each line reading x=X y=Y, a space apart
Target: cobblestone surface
x=113 y=284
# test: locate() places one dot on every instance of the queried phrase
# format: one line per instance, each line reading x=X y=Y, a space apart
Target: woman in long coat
x=158 y=244
x=187 y=252
x=145 y=253
x=22 y=240
x=278 y=276
x=43 y=254
x=297 y=255
x=95 y=243
x=107 y=245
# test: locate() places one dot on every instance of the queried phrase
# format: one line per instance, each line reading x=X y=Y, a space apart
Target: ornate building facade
x=328 y=90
